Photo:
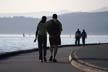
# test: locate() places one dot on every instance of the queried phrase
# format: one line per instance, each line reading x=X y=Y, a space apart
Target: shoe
x=50 y=59
x=54 y=60
x=45 y=60
x=40 y=60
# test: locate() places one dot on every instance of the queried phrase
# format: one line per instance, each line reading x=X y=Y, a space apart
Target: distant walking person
x=54 y=28
x=84 y=36
x=41 y=34
x=77 y=37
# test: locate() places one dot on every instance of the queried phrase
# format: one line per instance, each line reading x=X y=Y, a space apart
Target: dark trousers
x=77 y=41
x=42 y=43
x=83 y=41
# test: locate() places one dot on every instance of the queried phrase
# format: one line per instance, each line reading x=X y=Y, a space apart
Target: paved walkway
x=95 y=54
x=28 y=62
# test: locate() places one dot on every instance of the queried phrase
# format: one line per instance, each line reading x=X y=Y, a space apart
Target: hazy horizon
x=94 y=23
x=38 y=8
x=48 y=13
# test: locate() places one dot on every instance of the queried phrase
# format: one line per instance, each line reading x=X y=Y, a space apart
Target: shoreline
x=14 y=53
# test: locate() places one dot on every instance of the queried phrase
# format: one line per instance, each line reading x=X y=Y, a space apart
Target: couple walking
x=54 y=28
x=79 y=35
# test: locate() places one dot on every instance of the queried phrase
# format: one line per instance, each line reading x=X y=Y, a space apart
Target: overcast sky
x=13 y=6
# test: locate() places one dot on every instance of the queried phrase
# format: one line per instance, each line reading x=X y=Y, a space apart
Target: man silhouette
x=54 y=28
x=77 y=37
x=84 y=36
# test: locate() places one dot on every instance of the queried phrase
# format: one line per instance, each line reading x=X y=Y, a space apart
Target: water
x=9 y=43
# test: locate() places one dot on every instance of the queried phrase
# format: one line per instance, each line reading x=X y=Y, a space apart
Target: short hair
x=55 y=16
x=44 y=17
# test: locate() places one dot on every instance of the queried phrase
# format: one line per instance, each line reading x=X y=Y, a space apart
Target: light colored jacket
x=41 y=29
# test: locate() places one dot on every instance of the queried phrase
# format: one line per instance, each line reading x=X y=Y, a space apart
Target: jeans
x=42 y=43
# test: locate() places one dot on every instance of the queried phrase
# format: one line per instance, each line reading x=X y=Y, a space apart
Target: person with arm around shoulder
x=54 y=28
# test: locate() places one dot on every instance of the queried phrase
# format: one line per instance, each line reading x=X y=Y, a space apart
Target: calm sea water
x=10 y=43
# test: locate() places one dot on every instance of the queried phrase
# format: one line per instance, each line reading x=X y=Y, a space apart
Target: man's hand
x=35 y=40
